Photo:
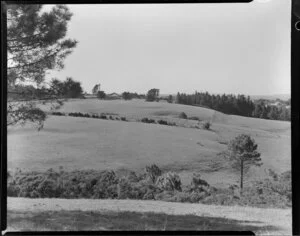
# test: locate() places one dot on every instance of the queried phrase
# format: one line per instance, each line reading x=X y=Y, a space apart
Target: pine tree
x=35 y=44
x=242 y=153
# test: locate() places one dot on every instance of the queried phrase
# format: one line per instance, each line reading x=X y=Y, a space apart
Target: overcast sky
x=219 y=48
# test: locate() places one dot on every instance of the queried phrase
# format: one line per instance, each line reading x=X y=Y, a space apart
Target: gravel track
x=280 y=218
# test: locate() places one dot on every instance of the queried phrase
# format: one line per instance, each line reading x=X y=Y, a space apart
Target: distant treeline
x=68 y=88
x=237 y=105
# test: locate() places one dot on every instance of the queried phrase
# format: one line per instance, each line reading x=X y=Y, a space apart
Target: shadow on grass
x=98 y=221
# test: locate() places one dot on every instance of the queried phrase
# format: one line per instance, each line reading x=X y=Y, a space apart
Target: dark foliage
x=206 y=125
x=57 y=113
x=36 y=43
x=79 y=114
x=102 y=116
x=146 y=120
x=162 y=122
x=151 y=184
x=129 y=95
x=236 y=105
x=152 y=95
x=101 y=95
x=182 y=115
x=66 y=89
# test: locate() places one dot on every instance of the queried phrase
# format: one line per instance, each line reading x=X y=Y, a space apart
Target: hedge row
x=152 y=183
x=161 y=122
x=205 y=125
x=87 y=115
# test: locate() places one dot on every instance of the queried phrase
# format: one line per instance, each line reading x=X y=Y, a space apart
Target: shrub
x=162 y=122
x=110 y=117
x=123 y=118
x=125 y=190
x=182 y=115
x=102 y=116
x=106 y=185
x=146 y=120
x=57 y=113
x=273 y=175
x=169 y=181
x=198 y=184
x=206 y=125
x=153 y=172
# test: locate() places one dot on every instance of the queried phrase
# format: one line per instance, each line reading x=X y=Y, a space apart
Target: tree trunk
x=242 y=177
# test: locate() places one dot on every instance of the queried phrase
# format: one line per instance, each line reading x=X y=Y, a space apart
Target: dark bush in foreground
x=169 y=182
x=153 y=172
x=151 y=184
x=123 y=118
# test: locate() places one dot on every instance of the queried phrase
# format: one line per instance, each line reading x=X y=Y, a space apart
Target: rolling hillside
x=82 y=143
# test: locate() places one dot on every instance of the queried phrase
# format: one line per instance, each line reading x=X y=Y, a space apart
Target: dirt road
x=280 y=218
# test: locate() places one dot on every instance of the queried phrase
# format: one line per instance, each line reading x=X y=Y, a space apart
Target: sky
x=220 y=48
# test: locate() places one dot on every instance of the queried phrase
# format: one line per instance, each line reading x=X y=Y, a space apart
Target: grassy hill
x=82 y=143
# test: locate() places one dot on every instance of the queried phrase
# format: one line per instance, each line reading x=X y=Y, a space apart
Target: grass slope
x=81 y=143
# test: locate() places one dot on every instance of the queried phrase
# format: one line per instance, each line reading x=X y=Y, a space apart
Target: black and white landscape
x=149 y=117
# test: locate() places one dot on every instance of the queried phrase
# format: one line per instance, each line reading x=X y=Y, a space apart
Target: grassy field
x=82 y=143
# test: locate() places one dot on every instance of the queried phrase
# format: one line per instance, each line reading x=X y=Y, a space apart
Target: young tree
x=35 y=43
x=242 y=155
x=96 y=89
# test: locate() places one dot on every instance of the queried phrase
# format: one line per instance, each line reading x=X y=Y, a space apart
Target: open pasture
x=83 y=143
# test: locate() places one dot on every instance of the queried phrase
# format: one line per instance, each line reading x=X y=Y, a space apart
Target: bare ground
x=280 y=220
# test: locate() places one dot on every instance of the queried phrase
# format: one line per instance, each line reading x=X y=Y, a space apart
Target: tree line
x=68 y=88
x=236 y=105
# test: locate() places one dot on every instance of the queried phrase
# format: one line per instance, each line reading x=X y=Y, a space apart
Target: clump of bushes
x=57 y=113
x=152 y=172
x=95 y=116
x=206 y=125
x=146 y=120
x=169 y=181
x=123 y=118
x=102 y=116
x=182 y=115
x=152 y=183
x=162 y=122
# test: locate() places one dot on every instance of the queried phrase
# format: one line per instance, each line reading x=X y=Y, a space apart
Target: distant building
x=113 y=96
